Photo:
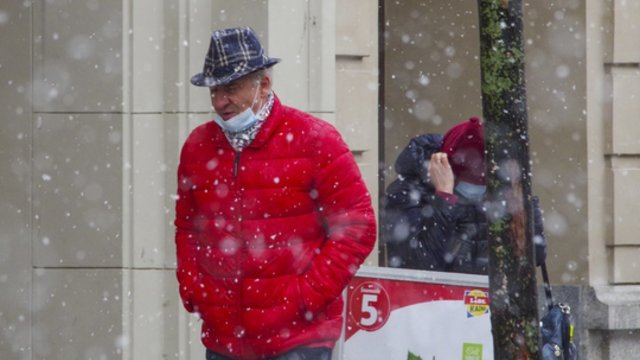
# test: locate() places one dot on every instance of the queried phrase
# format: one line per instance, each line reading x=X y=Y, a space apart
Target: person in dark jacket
x=434 y=217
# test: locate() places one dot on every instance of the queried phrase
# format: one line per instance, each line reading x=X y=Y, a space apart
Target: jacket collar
x=271 y=123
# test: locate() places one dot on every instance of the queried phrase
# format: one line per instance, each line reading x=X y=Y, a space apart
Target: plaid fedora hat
x=233 y=53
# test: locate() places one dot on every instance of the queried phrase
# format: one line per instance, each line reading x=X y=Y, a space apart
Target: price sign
x=401 y=314
x=370 y=306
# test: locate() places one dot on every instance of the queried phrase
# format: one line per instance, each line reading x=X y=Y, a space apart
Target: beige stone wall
x=15 y=182
x=109 y=86
x=624 y=152
x=613 y=88
x=356 y=88
x=613 y=79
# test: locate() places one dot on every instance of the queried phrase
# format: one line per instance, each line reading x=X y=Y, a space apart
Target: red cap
x=464 y=146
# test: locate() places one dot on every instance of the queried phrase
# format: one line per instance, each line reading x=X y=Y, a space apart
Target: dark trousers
x=319 y=353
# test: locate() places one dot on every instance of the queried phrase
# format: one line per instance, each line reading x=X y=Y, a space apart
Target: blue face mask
x=238 y=123
x=470 y=191
x=242 y=121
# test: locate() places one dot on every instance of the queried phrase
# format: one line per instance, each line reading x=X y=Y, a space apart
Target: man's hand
x=440 y=173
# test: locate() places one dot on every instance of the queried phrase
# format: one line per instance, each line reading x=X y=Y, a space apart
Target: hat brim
x=200 y=79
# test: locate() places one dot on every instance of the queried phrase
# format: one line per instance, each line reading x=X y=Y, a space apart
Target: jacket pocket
x=272 y=306
x=271 y=292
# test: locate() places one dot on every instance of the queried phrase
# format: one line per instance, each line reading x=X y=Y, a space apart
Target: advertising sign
x=397 y=314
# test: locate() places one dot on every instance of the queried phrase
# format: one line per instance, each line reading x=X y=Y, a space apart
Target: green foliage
x=531 y=331
x=412 y=356
x=501 y=62
x=498 y=227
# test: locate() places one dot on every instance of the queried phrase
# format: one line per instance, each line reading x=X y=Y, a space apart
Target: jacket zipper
x=239 y=275
x=236 y=162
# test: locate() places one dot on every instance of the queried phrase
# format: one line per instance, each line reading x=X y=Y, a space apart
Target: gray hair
x=259 y=74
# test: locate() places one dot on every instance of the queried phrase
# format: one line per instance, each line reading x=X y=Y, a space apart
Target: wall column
x=613 y=85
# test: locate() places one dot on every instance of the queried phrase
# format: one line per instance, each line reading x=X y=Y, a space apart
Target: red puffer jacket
x=268 y=238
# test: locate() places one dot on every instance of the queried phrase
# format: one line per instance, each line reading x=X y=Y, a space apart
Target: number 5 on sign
x=369 y=304
x=369 y=309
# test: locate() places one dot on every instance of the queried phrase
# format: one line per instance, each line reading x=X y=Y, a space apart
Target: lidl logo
x=476 y=302
x=471 y=351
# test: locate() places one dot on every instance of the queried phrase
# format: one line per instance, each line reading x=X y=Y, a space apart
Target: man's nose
x=219 y=100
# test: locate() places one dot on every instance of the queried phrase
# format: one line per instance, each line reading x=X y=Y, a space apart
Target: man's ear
x=265 y=85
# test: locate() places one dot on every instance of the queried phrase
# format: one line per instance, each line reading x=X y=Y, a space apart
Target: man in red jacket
x=273 y=218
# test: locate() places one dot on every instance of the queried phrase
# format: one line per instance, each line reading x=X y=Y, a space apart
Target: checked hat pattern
x=232 y=53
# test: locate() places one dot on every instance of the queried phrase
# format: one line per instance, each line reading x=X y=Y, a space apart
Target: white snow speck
x=423 y=80
x=563 y=71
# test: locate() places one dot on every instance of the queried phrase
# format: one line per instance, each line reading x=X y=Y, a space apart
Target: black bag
x=556 y=327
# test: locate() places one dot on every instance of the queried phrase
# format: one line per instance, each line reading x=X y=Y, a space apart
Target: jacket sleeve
x=416 y=221
x=417 y=225
x=402 y=219
x=436 y=231
x=344 y=206
x=186 y=240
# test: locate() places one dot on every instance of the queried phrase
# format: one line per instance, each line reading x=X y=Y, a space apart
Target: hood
x=411 y=161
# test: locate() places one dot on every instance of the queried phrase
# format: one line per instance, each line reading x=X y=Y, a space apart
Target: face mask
x=240 y=122
x=470 y=191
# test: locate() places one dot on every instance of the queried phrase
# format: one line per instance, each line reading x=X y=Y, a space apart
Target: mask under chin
x=238 y=123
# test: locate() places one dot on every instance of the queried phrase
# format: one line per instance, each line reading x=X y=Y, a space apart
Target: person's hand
x=440 y=173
